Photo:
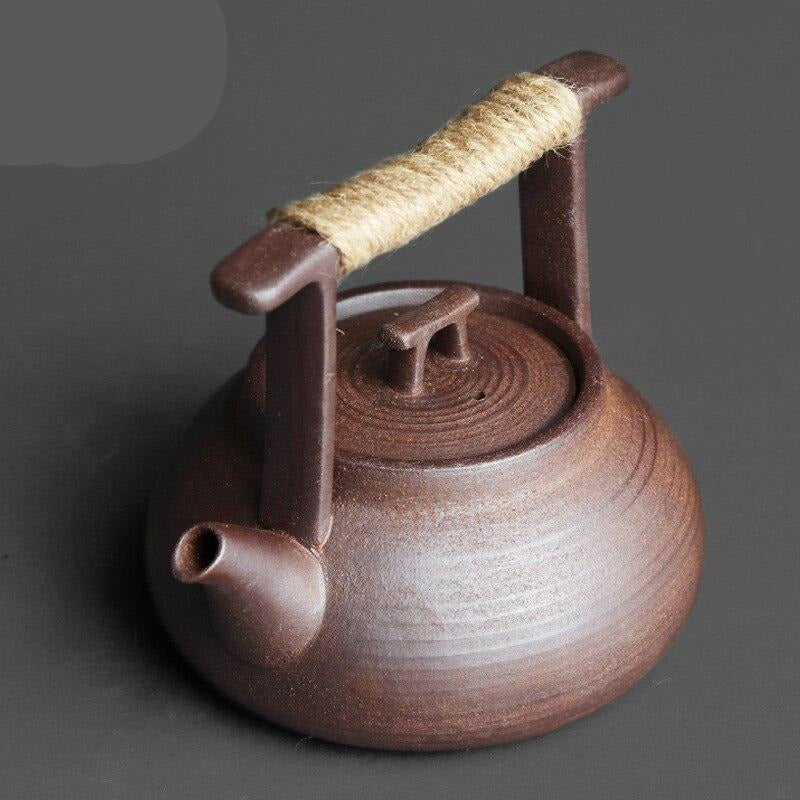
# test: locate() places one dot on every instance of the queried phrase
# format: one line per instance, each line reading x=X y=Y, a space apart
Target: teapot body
x=426 y=516
x=466 y=604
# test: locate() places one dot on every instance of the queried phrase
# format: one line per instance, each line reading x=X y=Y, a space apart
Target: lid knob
x=441 y=322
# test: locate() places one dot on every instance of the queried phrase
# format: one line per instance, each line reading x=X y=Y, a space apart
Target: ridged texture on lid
x=516 y=384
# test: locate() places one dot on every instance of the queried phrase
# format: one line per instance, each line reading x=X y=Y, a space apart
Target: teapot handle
x=530 y=125
x=289 y=270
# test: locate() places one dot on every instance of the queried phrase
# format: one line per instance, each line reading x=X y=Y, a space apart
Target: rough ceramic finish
x=417 y=547
x=464 y=606
x=515 y=383
x=279 y=578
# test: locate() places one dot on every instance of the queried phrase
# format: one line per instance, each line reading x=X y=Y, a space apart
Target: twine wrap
x=487 y=145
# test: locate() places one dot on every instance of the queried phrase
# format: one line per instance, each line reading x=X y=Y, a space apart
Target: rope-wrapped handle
x=389 y=205
x=487 y=145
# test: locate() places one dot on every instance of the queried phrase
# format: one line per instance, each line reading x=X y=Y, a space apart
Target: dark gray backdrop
x=110 y=340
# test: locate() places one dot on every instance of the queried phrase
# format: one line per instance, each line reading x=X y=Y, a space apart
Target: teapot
x=426 y=516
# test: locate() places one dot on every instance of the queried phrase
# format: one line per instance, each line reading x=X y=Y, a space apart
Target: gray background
x=110 y=340
x=93 y=81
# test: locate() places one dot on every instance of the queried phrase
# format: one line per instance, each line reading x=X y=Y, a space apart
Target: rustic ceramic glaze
x=426 y=515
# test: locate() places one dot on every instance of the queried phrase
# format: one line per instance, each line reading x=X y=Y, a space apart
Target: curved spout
x=265 y=591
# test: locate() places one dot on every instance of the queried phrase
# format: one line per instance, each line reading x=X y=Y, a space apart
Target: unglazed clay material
x=425 y=515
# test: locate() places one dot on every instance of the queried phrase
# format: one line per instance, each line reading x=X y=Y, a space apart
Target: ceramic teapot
x=426 y=515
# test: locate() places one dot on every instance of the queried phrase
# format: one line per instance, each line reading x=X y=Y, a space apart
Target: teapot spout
x=265 y=591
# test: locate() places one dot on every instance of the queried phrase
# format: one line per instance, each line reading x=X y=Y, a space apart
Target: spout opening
x=196 y=552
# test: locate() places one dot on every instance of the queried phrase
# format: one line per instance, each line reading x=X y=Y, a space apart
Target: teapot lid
x=469 y=374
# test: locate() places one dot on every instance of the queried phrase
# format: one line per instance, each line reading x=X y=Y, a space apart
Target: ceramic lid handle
x=441 y=322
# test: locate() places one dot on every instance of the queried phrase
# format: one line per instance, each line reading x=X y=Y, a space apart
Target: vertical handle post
x=290 y=275
x=552 y=197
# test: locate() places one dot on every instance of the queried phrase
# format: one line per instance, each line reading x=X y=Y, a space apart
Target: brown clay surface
x=465 y=605
x=513 y=385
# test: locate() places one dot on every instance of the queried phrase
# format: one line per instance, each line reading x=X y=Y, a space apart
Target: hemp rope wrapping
x=488 y=144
